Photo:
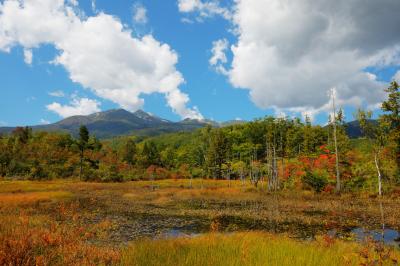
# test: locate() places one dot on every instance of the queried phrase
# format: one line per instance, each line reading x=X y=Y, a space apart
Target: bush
x=112 y=175
x=197 y=172
x=315 y=181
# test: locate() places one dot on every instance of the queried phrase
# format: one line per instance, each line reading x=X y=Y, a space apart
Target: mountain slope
x=353 y=128
x=115 y=123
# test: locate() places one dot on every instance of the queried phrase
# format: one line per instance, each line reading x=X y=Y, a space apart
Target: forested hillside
x=276 y=152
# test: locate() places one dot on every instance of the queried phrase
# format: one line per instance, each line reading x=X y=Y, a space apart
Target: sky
x=220 y=60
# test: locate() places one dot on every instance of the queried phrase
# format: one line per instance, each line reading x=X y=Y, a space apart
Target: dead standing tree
x=272 y=159
x=333 y=96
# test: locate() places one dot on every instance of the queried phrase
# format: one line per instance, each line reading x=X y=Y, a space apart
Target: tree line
x=273 y=153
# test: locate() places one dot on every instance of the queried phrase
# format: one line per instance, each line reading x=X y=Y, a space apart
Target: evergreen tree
x=217 y=153
x=294 y=137
x=129 y=155
x=150 y=154
x=83 y=145
x=307 y=136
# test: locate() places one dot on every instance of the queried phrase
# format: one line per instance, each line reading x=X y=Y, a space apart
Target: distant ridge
x=353 y=128
x=118 y=122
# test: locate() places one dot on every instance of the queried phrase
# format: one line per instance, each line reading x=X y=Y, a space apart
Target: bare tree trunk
x=329 y=133
x=270 y=168
x=379 y=173
x=275 y=170
x=335 y=140
x=383 y=222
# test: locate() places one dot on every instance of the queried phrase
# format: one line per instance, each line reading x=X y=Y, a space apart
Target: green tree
x=129 y=154
x=378 y=136
x=82 y=143
x=150 y=154
x=295 y=137
x=217 y=152
x=391 y=107
x=307 y=136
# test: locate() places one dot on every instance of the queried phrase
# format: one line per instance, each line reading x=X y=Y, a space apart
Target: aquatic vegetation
x=254 y=248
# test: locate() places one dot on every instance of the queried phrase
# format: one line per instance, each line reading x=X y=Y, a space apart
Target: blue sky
x=271 y=79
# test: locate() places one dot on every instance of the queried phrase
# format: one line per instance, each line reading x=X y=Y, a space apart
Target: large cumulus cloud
x=98 y=52
x=290 y=52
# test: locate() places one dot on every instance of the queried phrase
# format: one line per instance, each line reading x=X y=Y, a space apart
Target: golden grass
x=32 y=186
x=12 y=199
x=253 y=248
x=66 y=223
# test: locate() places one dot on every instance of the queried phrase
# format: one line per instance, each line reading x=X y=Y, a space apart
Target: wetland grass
x=253 y=248
x=76 y=223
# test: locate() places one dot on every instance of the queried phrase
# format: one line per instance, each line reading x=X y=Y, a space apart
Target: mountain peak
x=117 y=122
x=142 y=114
x=199 y=121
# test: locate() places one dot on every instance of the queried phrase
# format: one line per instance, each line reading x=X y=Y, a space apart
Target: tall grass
x=254 y=249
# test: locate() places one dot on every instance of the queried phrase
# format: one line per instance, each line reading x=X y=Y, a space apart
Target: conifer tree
x=83 y=145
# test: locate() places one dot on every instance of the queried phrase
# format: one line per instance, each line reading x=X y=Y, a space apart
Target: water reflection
x=176 y=233
x=387 y=236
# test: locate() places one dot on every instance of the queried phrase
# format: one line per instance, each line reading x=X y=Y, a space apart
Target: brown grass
x=75 y=223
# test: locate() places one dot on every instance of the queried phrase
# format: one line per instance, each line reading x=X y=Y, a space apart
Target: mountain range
x=118 y=122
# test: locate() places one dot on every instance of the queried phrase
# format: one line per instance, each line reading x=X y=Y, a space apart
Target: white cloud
x=218 y=58
x=44 y=121
x=204 y=9
x=289 y=53
x=177 y=100
x=98 y=52
x=3 y=124
x=77 y=106
x=57 y=93
x=139 y=14
x=28 y=56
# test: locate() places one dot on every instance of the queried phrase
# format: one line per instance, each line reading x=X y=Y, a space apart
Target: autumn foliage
x=61 y=239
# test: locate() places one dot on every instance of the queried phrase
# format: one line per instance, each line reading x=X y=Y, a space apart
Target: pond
x=163 y=227
x=387 y=236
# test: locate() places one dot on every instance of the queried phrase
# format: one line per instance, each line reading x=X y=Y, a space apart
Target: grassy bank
x=254 y=249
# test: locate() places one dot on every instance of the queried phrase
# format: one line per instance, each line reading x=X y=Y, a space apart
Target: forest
x=274 y=153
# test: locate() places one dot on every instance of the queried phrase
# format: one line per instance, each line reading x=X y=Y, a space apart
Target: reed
x=254 y=248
